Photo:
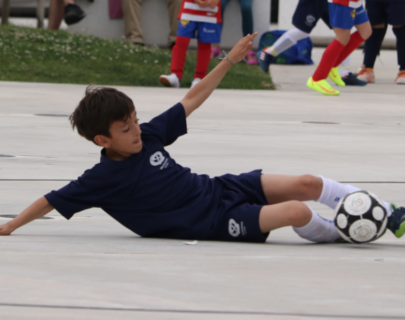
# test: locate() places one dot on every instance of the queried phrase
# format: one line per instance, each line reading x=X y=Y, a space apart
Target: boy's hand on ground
x=5 y=230
x=243 y=46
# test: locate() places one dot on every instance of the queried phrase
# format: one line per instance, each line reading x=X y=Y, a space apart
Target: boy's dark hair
x=99 y=108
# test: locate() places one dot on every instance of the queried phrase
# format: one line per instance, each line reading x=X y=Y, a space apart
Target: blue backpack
x=300 y=53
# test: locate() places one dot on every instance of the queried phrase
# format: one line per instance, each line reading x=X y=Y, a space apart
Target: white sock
x=287 y=40
x=333 y=191
x=344 y=67
x=318 y=230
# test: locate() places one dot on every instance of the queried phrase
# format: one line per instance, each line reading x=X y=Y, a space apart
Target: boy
x=343 y=14
x=305 y=18
x=381 y=13
x=201 y=17
x=143 y=188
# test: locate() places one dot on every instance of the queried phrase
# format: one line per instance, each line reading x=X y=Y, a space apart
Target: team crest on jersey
x=233 y=228
x=310 y=19
x=157 y=158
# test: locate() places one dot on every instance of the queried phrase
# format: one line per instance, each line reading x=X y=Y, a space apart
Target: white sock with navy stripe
x=286 y=41
x=318 y=230
x=333 y=191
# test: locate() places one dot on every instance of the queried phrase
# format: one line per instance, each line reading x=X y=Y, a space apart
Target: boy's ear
x=102 y=141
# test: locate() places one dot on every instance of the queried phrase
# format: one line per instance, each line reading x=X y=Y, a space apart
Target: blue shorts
x=308 y=13
x=380 y=11
x=241 y=202
x=206 y=32
x=345 y=17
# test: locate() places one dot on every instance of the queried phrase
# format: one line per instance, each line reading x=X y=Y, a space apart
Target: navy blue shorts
x=308 y=13
x=239 y=208
x=345 y=17
x=204 y=32
x=387 y=12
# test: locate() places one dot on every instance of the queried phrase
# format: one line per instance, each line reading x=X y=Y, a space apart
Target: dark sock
x=400 y=34
x=373 y=46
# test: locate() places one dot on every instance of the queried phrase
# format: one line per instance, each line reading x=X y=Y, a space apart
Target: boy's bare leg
x=282 y=188
x=305 y=222
x=285 y=193
x=290 y=213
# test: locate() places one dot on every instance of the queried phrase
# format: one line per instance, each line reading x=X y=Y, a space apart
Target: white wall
x=155 y=21
x=321 y=33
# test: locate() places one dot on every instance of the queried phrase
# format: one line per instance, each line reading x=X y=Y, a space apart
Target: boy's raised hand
x=240 y=49
x=200 y=92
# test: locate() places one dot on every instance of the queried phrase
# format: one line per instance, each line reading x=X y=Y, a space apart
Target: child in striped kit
x=199 y=19
x=344 y=15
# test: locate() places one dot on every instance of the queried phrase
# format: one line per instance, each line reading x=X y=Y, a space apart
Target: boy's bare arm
x=38 y=209
x=200 y=92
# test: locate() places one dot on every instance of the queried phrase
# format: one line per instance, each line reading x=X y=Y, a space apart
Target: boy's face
x=125 y=138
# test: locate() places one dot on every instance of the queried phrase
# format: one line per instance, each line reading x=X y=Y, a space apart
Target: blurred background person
x=131 y=10
x=381 y=13
x=64 y=9
x=200 y=19
x=246 y=8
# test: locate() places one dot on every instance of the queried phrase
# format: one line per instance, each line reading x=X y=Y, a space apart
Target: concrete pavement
x=93 y=268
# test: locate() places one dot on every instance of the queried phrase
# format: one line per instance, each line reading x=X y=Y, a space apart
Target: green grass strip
x=36 y=55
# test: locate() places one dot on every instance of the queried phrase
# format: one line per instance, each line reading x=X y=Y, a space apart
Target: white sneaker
x=170 y=80
x=195 y=81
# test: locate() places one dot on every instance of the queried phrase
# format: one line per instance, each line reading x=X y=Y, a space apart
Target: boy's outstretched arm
x=37 y=210
x=200 y=92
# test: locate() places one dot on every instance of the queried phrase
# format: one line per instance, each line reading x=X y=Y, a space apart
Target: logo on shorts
x=310 y=20
x=208 y=30
x=354 y=14
x=184 y=22
x=157 y=158
x=234 y=228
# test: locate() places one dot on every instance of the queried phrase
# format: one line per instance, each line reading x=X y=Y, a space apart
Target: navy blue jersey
x=148 y=192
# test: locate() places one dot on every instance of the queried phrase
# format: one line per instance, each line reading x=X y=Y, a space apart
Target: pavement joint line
x=151 y=310
x=68 y=180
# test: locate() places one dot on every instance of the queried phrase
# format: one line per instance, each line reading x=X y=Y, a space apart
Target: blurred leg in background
x=64 y=9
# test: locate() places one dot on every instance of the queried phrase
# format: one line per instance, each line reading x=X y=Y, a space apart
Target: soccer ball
x=360 y=217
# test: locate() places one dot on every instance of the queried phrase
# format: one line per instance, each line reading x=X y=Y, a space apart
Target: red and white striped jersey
x=191 y=11
x=348 y=3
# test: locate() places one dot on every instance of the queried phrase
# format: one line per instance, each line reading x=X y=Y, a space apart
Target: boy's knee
x=298 y=213
x=343 y=40
x=366 y=32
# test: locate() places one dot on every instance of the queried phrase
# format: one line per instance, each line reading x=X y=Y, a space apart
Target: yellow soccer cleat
x=335 y=77
x=322 y=86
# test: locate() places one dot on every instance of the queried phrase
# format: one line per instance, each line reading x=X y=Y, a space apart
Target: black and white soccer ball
x=361 y=217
